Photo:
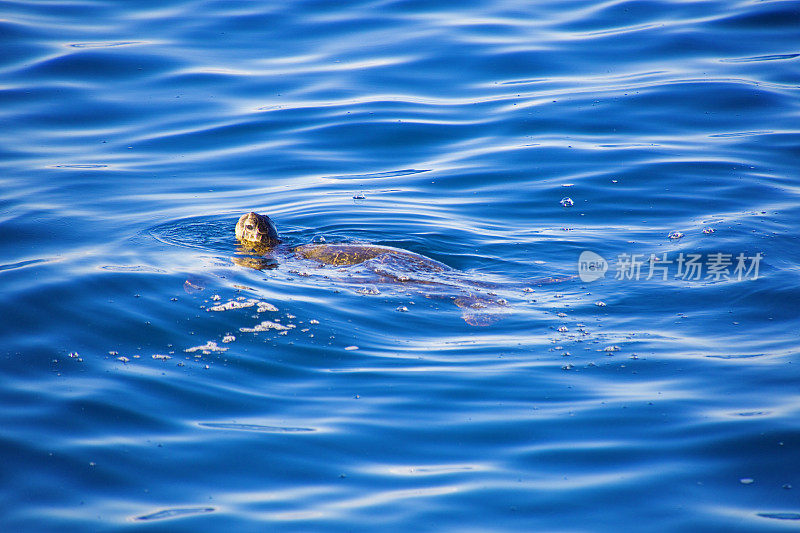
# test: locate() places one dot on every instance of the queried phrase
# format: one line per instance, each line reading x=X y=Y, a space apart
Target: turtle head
x=253 y=228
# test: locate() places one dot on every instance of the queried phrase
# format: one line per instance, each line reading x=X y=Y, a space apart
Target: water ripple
x=254 y=427
x=175 y=513
x=773 y=57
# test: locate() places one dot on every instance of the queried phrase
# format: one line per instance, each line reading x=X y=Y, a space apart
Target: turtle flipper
x=480 y=310
x=405 y=269
x=481 y=319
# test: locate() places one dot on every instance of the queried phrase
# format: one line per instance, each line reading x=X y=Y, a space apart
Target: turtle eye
x=249 y=227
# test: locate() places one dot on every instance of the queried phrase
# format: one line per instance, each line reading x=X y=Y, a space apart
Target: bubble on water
x=123 y=359
x=359 y=196
x=612 y=348
x=313 y=321
x=747 y=481
x=403 y=309
x=708 y=231
x=216 y=297
x=528 y=289
x=600 y=304
x=568 y=366
x=241 y=302
x=351 y=348
x=74 y=355
x=264 y=326
x=318 y=239
x=368 y=290
x=567 y=201
x=563 y=329
x=229 y=338
x=561 y=315
x=675 y=235
x=161 y=357
x=238 y=303
x=206 y=348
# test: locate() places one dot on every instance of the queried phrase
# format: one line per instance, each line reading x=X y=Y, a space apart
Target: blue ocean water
x=136 y=133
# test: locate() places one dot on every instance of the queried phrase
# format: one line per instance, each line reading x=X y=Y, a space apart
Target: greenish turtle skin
x=257 y=235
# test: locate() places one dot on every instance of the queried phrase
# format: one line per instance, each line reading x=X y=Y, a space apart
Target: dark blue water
x=134 y=134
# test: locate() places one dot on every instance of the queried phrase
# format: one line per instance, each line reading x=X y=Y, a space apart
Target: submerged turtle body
x=257 y=234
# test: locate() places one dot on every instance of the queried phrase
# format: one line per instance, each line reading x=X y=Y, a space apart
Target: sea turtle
x=371 y=263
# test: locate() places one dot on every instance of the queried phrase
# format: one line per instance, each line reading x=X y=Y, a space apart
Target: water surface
x=135 y=134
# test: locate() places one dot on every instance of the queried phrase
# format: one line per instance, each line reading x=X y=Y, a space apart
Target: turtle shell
x=355 y=254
